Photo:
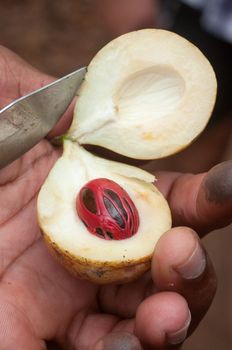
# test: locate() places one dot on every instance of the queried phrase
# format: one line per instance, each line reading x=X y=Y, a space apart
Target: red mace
x=107 y=210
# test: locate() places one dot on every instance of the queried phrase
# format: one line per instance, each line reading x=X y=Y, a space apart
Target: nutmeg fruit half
x=91 y=249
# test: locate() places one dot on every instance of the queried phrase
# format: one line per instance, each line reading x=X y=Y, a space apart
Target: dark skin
x=40 y=301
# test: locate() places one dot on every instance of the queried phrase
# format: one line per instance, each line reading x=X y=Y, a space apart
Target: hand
x=40 y=301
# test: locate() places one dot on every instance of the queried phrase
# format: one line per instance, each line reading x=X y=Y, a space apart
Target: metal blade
x=27 y=120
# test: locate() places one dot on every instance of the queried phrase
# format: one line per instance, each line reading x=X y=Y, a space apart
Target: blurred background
x=56 y=37
x=60 y=36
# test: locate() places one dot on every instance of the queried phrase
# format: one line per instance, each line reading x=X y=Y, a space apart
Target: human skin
x=40 y=301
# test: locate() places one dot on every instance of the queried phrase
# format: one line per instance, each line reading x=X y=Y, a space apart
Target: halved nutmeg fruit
x=101 y=218
x=146 y=95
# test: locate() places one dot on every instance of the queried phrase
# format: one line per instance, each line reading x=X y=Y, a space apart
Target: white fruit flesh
x=146 y=95
x=59 y=220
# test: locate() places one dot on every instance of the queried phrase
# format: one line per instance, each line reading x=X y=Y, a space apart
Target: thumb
x=214 y=200
x=18 y=78
x=118 y=340
x=203 y=201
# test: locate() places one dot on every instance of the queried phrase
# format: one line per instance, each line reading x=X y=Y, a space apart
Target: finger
x=98 y=325
x=162 y=320
x=203 y=201
x=214 y=200
x=123 y=300
x=181 y=264
x=118 y=340
x=107 y=332
x=19 y=78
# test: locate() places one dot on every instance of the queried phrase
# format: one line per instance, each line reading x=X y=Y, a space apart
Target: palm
x=35 y=291
x=38 y=297
x=28 y=272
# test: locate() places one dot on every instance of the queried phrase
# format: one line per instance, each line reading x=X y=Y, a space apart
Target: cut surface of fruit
x=146 y=95
x=63 y=228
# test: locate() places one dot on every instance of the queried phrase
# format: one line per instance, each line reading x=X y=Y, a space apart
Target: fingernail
x=195 y=265
x=179 y=336
x=119 y=340
x=218 y=183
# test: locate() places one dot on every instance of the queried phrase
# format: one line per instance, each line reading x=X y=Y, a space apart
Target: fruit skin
x=99 y=273
x=119 y=221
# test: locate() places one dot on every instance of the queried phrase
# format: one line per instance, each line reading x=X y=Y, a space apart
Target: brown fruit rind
x=100 y=273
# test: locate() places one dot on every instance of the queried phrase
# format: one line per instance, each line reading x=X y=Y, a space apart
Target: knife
x=27 y=120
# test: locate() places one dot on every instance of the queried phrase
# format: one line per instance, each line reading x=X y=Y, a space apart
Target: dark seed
x=110 y=234
x=118 y=201
x=89 y=200
x=113 y=212
x=99 y=231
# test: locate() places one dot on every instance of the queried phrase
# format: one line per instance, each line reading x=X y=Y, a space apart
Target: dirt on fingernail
x=218 y=183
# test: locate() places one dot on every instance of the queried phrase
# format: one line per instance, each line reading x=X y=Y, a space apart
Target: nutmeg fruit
x=146 y=95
